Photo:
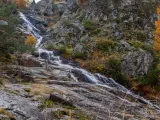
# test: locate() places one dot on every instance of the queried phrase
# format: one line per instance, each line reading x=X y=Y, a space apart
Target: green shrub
x=68 y=37
x=65 y=50
x=128 y=35
x=148 y=48
x=82 y=16
x=95 y=66
x=88 y=25
x=82 y=115
x=113 y=69
x=59 y=113
x=140 y=35
x=7 y=10
x=136 y=44
x=50 y=47
x=117 y=20
x=62 y=49
x=139 y=44
x=80 y=55
x=151 y=78
x=104 y=44
x=95 y=32
x=67 y=23
x=47 y=104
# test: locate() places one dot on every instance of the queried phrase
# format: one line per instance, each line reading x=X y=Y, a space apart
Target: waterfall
x=78 y=74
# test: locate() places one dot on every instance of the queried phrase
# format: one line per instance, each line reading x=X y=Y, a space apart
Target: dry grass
x=58 y=91
x=4 y=112
x=95 y=63
x=70 y=115
x=148 y=91
x=38 y=89
x=51 y=24
x=57 y=1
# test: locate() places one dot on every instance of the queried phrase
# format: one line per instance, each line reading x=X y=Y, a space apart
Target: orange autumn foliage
x=156 y=44
x=30 y=40
x=21 y=3
x=81 y=2
x=158 y=10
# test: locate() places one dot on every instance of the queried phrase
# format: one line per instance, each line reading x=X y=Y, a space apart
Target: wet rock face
x=136 y=63
x=44 y=55
x=81 y=77
x=38 y=22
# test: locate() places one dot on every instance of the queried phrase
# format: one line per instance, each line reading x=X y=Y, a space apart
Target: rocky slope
x=34 y=89
x=125 y=27
x=37 y=93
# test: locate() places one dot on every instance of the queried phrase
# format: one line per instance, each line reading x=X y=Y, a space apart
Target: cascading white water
x=78 y=74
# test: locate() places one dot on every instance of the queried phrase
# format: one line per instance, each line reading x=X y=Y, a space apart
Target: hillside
x=114 y=38
x=79 y=60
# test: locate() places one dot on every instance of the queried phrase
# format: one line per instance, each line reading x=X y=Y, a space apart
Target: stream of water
x=78 y=74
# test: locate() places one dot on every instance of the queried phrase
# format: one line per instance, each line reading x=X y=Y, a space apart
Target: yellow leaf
x=30 y=40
